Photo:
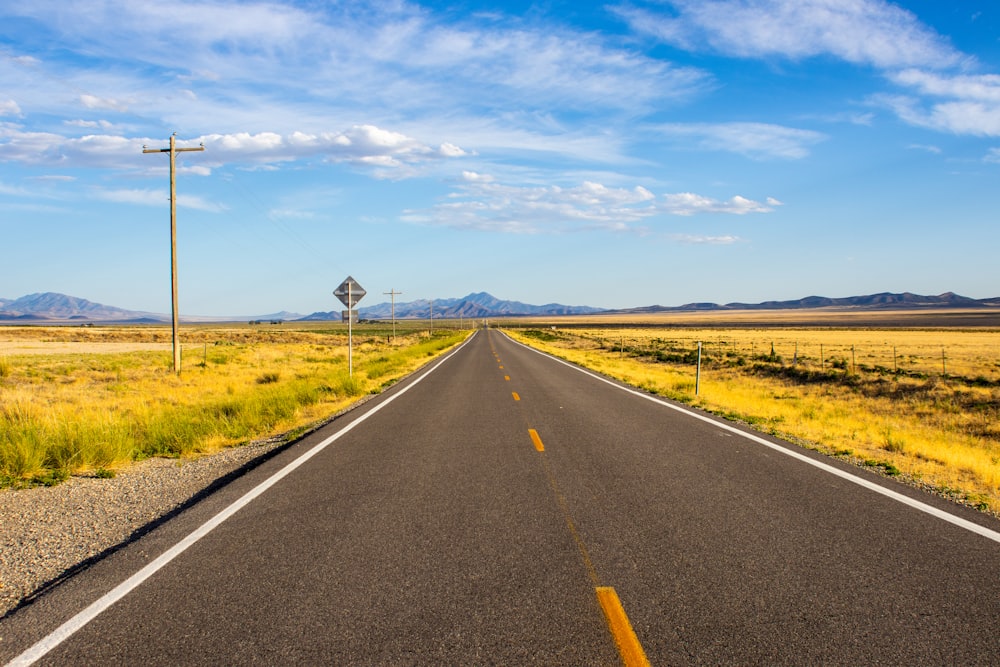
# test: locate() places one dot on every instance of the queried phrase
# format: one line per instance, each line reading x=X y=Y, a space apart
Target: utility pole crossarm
x=176 y=150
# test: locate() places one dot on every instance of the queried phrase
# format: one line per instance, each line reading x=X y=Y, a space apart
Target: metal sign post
x=350 y=292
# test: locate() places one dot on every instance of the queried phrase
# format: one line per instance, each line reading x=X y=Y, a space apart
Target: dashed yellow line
x=628 y=644
x=536 y=439
x=629 y=648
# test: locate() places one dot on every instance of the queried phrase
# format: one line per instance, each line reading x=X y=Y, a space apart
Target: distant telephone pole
x=392 y=291
x=173 y=150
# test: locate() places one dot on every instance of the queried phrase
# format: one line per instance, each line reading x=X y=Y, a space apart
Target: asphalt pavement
x=482 y=512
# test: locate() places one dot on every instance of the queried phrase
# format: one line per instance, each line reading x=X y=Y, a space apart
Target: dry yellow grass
x=73 y=412
x=842 y=391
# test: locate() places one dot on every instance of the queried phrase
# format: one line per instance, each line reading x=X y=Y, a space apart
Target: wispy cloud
x=391 y=57
x=961 y=104
x=864 y=32
x=936 y=150
x=754 y=140
x=872 y=33
x=154 y=197
x=90 y=124
x=695 y=239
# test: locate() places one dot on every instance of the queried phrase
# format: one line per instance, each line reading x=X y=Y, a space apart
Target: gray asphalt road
x=436 y=530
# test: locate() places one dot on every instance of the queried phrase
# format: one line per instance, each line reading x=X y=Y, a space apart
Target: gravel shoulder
x=47 y=531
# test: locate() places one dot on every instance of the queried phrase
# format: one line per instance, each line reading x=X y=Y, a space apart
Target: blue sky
x=623 y=154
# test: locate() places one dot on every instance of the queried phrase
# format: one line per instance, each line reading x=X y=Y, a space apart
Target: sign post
x=350 y=292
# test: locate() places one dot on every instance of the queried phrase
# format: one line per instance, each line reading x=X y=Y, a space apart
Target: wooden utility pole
x=392 y=291
x=173 y=150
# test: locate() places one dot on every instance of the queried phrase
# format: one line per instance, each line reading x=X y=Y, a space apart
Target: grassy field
x=923 y=405
x=88 y=400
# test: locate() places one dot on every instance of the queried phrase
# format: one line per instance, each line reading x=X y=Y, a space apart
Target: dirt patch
x=22 y=347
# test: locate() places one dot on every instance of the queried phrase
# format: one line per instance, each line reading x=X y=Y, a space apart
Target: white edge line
x=67 y=629
x=872 y=486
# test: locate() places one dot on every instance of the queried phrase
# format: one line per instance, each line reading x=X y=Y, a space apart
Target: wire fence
x=974 y=360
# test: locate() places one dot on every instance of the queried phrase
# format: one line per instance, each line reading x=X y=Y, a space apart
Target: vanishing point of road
x=502 y=507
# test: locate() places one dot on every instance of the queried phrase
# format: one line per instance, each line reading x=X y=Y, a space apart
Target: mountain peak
x=471 y=306
x=54 y=306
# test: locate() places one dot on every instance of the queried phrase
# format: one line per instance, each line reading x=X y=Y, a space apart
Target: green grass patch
x=68 y=414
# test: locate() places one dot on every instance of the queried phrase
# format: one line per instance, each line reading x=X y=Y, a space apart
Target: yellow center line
x=629 y=648
x=536 y=439
x=628 y=644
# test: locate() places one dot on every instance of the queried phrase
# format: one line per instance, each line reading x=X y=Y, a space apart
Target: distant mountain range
x=61 y=308
x=50 y=306
x=477 y=305
x=883 y=300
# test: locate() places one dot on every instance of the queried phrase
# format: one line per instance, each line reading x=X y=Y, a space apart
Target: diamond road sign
x=349 y=292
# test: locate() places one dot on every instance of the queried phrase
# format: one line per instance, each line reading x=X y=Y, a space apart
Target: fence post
x=697 y=375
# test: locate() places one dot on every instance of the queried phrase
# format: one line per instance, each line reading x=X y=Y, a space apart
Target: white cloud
x=460 y=84
x=754 y=140
x=46 y=148
x=473 y=177
x=992 y=155
x=484 y=204
x=864 y=32
x=451 y=150
x=695 y=239
x=9 y=108
x=687 y=203
x=94 y=102
x=362 y=145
